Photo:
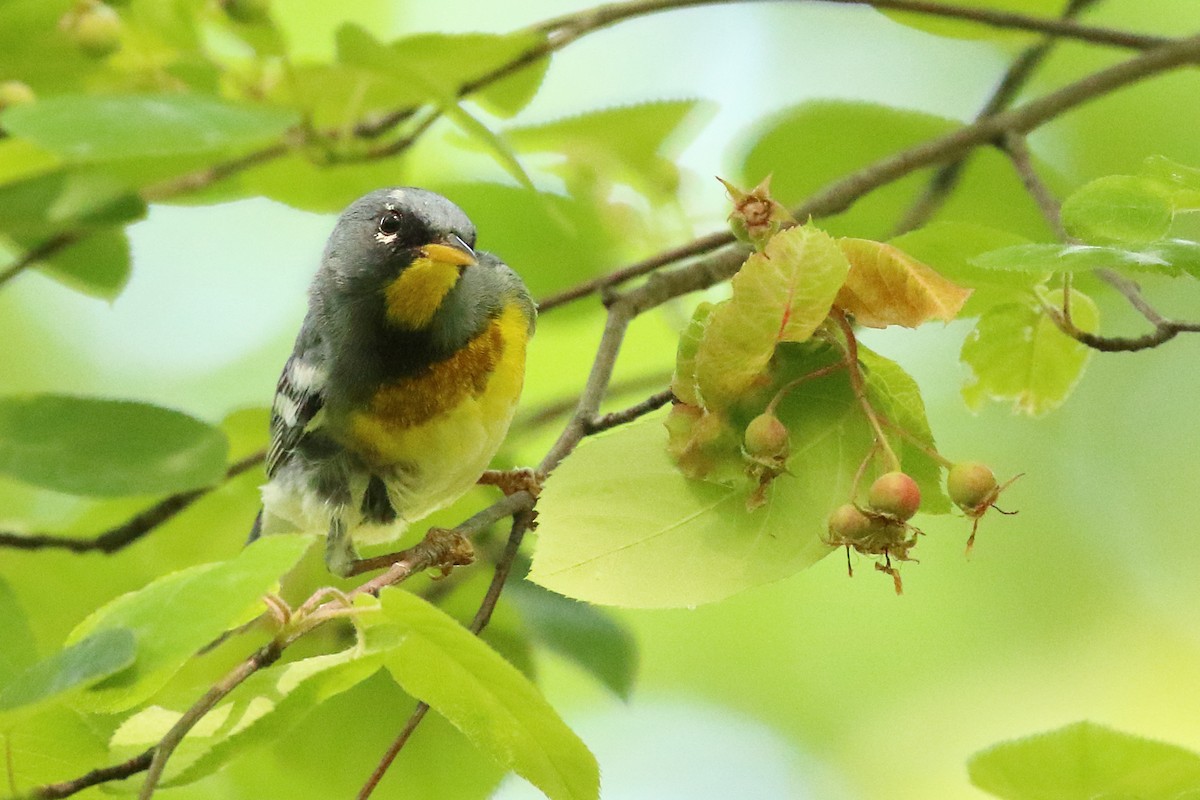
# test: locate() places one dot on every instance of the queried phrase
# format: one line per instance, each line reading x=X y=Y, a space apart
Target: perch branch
x=131 y=530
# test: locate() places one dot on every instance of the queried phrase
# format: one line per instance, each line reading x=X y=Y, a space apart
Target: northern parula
x=403 y=379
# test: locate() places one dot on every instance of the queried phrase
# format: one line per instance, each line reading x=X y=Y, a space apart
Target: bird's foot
x=511 y=481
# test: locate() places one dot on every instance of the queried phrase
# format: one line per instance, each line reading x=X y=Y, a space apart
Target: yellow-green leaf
x=779 y=295
x=438 y=660
x=1017 y=353
x=886 y=286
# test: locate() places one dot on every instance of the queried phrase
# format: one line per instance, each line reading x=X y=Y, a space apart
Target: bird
x=403 y=379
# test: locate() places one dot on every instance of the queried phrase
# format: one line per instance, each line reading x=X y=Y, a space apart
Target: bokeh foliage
x=1064 y=608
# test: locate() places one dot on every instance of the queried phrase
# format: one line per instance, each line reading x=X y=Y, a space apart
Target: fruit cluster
x=882 y=528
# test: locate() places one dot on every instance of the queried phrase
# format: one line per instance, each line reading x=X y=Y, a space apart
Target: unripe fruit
x=895 y=495
x=94 y=28
x=766 y=436
x=847 y=524
x=972 y=485
x=15 y=93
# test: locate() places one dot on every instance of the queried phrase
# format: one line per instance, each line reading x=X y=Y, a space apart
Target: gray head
x=381 y=233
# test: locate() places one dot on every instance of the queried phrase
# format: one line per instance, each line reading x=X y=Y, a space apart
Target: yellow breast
x=459 y=407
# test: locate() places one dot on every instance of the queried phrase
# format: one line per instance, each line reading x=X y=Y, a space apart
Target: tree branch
x=946 y=178
x=522 y=522
x=133 y=529
x=840 y=195
x=1163 y=329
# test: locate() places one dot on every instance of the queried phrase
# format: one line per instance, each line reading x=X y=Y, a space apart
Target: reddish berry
x=766 y=436
x=895 y=495
x=972 y=486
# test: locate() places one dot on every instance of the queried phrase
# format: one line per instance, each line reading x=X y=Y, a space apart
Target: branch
x=718 y=254
x=130 y=531
x=1163 y=329
x=604 y=16
x=1017 y=149
x=437 y=550
x=522 y=522
x=946 y=178
x=560 y=32
x=57 y=242
x=54 y=791
x=617 y=418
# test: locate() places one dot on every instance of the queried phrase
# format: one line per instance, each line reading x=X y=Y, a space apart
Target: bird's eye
x=389 y=223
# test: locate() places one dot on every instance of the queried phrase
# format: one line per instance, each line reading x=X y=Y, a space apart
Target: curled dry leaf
x=888 y=287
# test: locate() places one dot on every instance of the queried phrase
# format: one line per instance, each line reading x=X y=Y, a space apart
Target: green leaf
x=82 y=664
x=780 y=295
x=581 y=633
x=1182 y=181
x=90 y=129
x=894 y=393
x=951 y=247
x=402 y=63
x=20 y=648
x=1118 y=209
x=1166 y=257
x=177 y=614
x=1084 y=761
x=20 y=159
x=639 y=143
x=968 y=29
x=507 y=96
x=98 y=266
x=88 y=446
x=683 y=381
x=1017 y=353
x=280 y=699
x=620 y=525
x=498 y=709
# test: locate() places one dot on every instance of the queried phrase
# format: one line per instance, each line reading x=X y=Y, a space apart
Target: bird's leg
x=442 y=548
x=340 y=555
x=511 y=481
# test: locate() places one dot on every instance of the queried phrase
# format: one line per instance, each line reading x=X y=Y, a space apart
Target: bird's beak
x=450 y=250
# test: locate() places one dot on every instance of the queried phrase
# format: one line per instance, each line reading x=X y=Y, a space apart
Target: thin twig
x=264 y=657
x=860 y=388
x=1163 y=329
x=49 y=247
x=697 y=247
x=116 y=772
x=719 y=255
x=946 y=177
x=625 y=415
x=1017 y=149
x=603 y=16
x=521 y=523
x=133 y=529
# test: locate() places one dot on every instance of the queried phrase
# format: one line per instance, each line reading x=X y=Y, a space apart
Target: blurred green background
x=1080 y=607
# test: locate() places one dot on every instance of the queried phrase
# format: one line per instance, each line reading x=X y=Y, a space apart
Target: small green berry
x=766 y=436
x=15 y=93
x=847 y=524
x=94 y=27
x=895 y=495
x=972 y=486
